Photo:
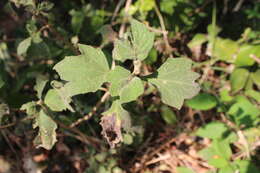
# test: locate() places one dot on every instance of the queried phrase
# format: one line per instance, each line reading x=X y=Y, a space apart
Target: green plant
x=88 y=71
x=68 y=80
x=239 y=102
x=219 y=153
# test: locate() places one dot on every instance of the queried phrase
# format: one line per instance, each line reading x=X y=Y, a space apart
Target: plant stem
x=95 y=108
x=165 y=34
x=122 y=27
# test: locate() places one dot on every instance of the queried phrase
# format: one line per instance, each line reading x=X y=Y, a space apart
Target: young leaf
x=41 y=81
x=123 y=50
x=30 y=108
x=142 y=39
x=176 y=81
x=23 y=46
x=140 y=45
x=58 y=99
x=111 y=123
x=131 y=90
x=124 y=85
x=84 y=73
x=47 y=131
x=117 y=77
x=54 y=101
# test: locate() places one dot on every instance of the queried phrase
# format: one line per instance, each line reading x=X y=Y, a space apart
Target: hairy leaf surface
x=123 y=84
x=123 y=50
x=84 y=73
x=140 y=44
x=176 y=81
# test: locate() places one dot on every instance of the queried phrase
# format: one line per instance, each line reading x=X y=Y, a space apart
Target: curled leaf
x=113 y=120
x=41 y=81
x=58 y=99
x=140 y=44
x=46 y=137
x=111 y=129
x=30 y=108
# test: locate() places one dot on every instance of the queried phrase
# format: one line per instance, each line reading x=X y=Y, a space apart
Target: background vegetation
x=216 y=131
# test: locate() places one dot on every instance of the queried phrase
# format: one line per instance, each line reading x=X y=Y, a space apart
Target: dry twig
x=122 y=27
x=165 y=34
x=89 y=115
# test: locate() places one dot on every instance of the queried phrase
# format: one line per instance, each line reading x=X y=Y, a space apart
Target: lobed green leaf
x=123 y=84
x=84 y=73
x=176 y=81
x=140 y=44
